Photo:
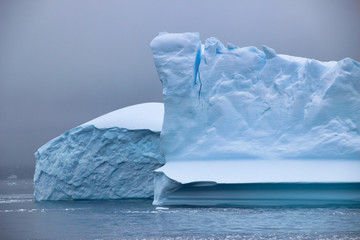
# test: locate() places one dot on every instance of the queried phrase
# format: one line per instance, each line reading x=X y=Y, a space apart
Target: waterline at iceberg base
x=249 y=127
x=258 y=183
x=256 y=194
x=169 y=192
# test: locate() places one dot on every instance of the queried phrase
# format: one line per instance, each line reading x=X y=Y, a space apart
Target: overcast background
x=63 y=63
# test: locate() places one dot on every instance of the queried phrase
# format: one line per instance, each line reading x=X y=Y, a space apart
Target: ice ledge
x=263 y=171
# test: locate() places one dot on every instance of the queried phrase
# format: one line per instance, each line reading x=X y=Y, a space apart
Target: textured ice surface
x=110 y=157
x=244 y=115
x=244 y=103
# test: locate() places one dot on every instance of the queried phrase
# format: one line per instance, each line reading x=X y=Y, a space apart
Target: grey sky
x=63 y=63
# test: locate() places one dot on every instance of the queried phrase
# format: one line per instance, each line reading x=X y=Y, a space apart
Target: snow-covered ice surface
x=229 y=104
x=140 y=116
x=110 y=157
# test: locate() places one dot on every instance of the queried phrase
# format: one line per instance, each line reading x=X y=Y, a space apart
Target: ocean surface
x=23 y=218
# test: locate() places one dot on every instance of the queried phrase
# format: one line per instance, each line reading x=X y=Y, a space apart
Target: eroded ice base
x=258 y=183
x=262 y=194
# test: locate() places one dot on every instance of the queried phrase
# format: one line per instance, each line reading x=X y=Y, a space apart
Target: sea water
x=23 y=218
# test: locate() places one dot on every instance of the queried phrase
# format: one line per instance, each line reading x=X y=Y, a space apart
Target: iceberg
x=110 y=157
x=236 y=117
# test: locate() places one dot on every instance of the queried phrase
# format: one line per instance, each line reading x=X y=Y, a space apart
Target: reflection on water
x=22 y=218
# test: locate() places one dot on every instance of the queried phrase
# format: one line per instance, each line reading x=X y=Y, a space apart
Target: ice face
x=244 y=103
x=110 y=157
x=238 y=121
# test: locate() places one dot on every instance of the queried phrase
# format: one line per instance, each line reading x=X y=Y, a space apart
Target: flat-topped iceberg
x=110 y=157
x=250 y=116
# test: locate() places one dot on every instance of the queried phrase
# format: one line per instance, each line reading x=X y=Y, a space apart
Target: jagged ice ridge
x=245 y=103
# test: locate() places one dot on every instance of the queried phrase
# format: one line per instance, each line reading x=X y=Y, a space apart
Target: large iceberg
x=110 y=157
x=245 y=116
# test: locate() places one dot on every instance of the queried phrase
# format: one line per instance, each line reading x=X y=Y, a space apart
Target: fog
x=63 y=63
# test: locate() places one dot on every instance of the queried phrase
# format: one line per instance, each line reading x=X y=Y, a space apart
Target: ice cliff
x=244 y=116
x=244 y=103
x=110 y=157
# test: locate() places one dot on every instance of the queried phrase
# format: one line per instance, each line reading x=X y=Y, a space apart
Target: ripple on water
x=16 y=198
